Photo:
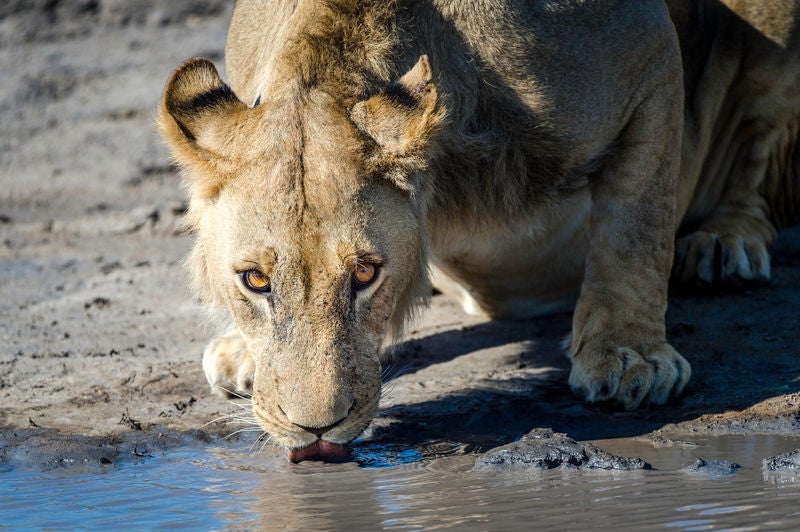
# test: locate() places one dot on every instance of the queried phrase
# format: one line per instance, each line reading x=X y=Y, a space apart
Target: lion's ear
x=402 y=118
x=196 y=115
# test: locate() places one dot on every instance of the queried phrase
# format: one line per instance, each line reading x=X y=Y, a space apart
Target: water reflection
x=391 y=487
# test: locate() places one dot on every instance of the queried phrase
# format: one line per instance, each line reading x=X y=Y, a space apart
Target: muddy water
x=218 y=488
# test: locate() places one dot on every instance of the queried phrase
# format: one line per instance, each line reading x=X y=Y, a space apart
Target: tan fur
x=533 y=157
x=739 y=169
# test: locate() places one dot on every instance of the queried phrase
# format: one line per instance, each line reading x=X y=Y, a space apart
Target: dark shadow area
x=744 y=349
x=413 y=355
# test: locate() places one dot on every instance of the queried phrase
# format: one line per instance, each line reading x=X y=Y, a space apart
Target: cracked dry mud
x=100 y=341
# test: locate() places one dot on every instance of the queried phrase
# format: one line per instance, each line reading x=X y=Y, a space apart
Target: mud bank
x=100 y=341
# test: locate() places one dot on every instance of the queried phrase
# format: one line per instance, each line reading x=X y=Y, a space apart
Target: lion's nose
x=318 y=418
x=319 y=431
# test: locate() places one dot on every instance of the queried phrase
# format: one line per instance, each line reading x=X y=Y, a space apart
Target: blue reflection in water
x=153 y=494
x=381 y=455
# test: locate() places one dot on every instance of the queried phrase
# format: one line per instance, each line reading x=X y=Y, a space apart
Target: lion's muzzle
x=314 y=412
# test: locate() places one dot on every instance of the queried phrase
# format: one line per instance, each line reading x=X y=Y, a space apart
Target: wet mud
x=544 y=449
x=786 y=463
x=712 y=469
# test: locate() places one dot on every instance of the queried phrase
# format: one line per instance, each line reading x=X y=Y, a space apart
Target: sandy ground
x=100 y=341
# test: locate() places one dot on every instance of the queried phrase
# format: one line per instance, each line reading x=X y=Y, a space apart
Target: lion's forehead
x=306 y=251
x=312 y=162
x=278 y=221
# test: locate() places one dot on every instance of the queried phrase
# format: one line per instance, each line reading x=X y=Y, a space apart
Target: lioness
x=523 y=157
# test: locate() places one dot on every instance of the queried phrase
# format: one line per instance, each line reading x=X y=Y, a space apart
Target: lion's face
x=310 y=235
x=314 y=293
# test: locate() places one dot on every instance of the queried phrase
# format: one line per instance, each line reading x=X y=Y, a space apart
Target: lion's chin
x=320 y=450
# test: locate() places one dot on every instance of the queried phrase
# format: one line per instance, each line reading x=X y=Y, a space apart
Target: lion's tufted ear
x=196 y=117
x=402 y=118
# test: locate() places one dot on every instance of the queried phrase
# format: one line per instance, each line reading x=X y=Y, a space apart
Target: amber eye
x=364 y=274
x=256 y=281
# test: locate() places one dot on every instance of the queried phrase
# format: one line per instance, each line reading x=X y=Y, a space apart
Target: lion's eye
x=256 y=281
x=364 y=274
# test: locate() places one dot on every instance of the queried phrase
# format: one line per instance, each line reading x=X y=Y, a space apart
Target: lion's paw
x=622 y=375
x=228 y=366
x=671 y=374
x=728 y=260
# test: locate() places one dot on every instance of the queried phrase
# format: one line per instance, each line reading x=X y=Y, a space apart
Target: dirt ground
x=100 y=341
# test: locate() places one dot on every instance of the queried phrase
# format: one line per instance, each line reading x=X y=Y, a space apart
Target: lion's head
x=309 y=214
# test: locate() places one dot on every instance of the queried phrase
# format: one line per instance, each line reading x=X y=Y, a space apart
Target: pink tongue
x=320 y=450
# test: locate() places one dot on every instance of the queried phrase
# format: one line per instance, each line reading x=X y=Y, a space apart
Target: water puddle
x=392 y=487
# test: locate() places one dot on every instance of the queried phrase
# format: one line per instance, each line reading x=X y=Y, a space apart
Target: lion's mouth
x=320 y=450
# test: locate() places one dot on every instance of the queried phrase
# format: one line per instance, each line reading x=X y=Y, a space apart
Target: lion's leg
x=618 y=345
x=228 y=365
x=730 y=246
x=447 y=285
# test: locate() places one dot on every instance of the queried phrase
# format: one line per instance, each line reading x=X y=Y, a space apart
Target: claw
x=624 y=376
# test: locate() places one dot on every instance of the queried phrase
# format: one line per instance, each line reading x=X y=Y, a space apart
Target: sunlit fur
x=527 y=157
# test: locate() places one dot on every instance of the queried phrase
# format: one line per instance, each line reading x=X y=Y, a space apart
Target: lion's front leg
x=618 y=346
x=228 y=365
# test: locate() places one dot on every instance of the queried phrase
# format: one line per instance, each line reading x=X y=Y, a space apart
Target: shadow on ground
x=744 y=349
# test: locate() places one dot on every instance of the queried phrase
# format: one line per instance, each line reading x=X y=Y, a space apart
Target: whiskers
x=392 y=371
x=266 y=440
x=243 y=418
x=388 y=382
x=238 y=395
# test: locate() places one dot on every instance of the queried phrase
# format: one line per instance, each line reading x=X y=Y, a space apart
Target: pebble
x=786 y=462
x=712 y=469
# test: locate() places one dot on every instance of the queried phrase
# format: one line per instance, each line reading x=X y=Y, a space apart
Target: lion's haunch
x=320 y=450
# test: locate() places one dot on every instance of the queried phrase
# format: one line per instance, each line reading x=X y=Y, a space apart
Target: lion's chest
x=513 y=267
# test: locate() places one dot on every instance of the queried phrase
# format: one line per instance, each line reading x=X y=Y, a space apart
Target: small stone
x=600 y=459
x=713 y=468
x=786 y=462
